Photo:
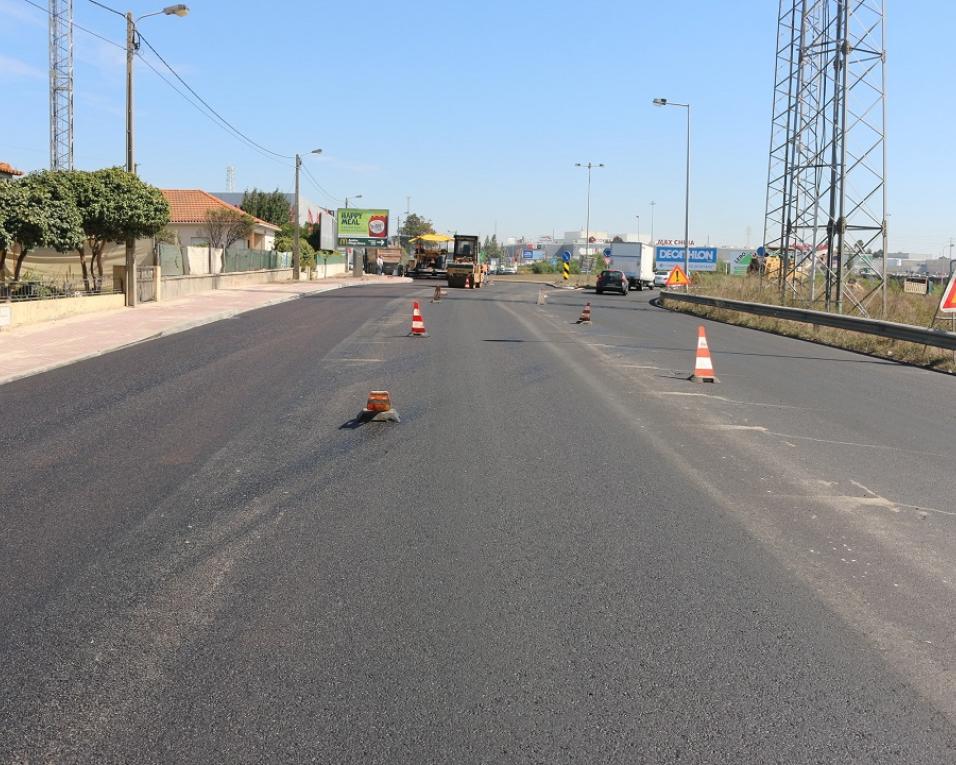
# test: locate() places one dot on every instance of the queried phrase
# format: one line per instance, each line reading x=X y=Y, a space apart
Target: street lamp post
x=132 y=45
x=638 y=227
x=653 y=203
x=665 y=102
x=356 y=271
x=587 y=219
x=296 y=246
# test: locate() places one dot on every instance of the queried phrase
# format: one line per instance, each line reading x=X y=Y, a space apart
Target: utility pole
x=130 y=164
x=132 y=45
x=653 y=203
x=665 y=102
x=587 y=219
x=295 y=237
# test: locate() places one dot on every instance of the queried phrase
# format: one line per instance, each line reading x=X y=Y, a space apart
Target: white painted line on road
x=730 y=400
x=921 y=508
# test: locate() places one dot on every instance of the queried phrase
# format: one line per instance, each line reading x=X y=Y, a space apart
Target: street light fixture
x=653 y=203
x=132 y=45
x=357 y=196
x=665 y=102
x=296 y=247
x=587 y=224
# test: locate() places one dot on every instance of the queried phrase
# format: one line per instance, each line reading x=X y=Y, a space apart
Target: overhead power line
x=203 y=106
x=205 y=103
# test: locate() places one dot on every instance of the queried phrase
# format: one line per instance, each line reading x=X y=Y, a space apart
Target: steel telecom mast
x=826 y=181
x=61 y=84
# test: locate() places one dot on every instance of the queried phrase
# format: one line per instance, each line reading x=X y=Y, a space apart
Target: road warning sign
x=677 y=278
x=948 y=303
x=566 y=270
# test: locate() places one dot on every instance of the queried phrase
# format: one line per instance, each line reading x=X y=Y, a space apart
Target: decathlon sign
x=701 y=258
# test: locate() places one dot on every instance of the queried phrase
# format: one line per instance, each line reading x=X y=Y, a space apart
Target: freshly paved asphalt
x=563 y=553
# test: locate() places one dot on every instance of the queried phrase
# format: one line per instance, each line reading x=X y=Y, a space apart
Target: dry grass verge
x=917 y=310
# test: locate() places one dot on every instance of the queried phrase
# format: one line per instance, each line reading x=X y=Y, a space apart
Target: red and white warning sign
x=948 y=303
x=677 y=278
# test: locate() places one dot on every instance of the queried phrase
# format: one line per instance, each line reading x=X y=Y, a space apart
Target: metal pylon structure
x=61 y=84
x=826 y=182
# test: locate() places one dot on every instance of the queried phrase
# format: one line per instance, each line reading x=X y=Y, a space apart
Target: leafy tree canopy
x=271 y=206
x=416 y=225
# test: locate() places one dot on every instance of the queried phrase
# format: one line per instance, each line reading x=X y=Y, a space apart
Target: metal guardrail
x=937 y=338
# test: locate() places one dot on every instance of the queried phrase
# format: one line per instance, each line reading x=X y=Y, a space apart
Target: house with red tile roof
x=188 y=209
x=8 y=171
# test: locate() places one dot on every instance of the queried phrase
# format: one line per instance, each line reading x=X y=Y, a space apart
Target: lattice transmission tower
x=61 y=84
x=826 y=182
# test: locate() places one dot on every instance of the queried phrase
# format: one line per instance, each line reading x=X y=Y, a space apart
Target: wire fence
x=56 y=288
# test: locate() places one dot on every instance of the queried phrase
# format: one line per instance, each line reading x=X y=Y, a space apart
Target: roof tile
x=192 y=205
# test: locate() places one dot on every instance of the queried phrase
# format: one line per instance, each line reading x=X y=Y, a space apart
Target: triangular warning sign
x=677 y=278
x=948 y=303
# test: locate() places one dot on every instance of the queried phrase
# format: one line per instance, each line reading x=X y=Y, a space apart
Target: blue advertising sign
x=566 y=256
x=701 y=258
x=528 y=254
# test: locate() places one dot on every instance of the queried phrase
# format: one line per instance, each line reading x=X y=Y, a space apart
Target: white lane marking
x=728 y=400
x=876 y=496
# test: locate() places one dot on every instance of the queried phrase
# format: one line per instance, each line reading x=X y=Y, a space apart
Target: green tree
x=41 y=215
x=224 y=227
x=13 y=201
x=415 y=225
x=270 y=206
x=115 y=206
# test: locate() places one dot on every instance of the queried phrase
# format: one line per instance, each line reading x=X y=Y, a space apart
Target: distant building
x=8 y=172
x=307 y=207
x=187 y=217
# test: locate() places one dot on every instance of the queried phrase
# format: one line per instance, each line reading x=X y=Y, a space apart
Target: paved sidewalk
x=36 y=348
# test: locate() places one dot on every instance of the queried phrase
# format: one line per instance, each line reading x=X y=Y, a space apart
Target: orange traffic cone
x=418 y=323
x=437 y=296
x=585 y=317
x=704 y=367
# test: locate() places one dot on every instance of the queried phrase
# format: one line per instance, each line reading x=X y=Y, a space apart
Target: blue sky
x=478 y=111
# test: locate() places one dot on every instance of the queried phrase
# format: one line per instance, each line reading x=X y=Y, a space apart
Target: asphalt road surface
x=564 y=553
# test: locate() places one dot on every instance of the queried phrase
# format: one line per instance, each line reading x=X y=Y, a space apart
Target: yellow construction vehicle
x=464 y=270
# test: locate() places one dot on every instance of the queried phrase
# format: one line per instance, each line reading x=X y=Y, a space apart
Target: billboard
x=701 y=258
x=362 y=228
x=326 y=230
x=739 y=261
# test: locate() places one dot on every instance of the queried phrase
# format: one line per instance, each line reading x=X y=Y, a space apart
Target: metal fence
x=56 y=287
x=936 y=338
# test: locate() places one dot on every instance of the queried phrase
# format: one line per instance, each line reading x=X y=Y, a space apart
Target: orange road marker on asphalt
x=379 y=407
x=418 y=323
x=704 y=366
x=585 y=317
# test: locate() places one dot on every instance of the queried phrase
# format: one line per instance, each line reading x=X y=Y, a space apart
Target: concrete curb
x=184 y=327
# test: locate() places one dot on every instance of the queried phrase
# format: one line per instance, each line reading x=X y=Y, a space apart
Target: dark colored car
x=611 y=280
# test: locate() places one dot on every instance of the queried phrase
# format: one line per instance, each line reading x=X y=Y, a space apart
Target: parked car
x=660 y=278
x=611 y=280
x=508 y=268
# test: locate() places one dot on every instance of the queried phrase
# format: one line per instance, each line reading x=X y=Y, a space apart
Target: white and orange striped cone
x=436 y=298
x=704 y=367
x=418 y=323
x=585 y=317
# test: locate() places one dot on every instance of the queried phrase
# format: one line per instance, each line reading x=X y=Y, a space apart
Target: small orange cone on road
x=418 y=323
x=437 y=296
x=585 y=317
x=378 y=401
x=704 y=367
x=379 y=408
